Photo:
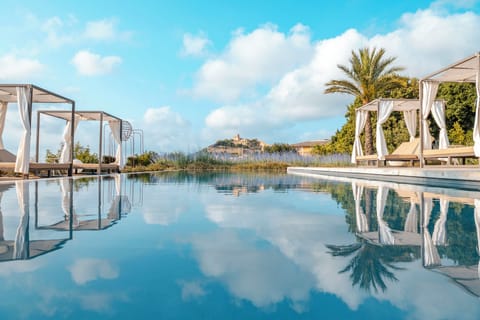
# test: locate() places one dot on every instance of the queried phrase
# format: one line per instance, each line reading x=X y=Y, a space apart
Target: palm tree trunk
x=368 y=136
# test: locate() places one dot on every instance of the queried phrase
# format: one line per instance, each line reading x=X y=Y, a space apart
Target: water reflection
x=415 y=222
x=51 y=226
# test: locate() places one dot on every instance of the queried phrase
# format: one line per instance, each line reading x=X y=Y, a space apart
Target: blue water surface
x=236 y=246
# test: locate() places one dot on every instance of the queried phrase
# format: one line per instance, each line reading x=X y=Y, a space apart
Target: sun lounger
x=449 y=154
x=406 y=152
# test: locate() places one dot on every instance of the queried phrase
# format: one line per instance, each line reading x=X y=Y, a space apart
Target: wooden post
x=37 y=148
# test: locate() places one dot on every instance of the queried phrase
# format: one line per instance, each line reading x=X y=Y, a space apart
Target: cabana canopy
x=466 y=70
x=114 y=122
x=25 y=95
x=384 y=107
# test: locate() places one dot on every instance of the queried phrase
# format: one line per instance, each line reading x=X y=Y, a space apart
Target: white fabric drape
x=477 y=226
x=23 y=154
x=438 y=113
x=429 y=92
x=20 y=250
x=361 y=219
x=411 y=223
x=385 y=108
x=430 y=253
x=384 y=232
x=65 y=189
x=3 y=115
x=66 y=154
x=360 y=121
x=439 y=233
x=410 y=117
x=115 y=127
x=476 y=125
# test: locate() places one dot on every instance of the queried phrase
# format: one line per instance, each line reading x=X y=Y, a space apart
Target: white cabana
x=115 y=125
x=466 y=70
x=384 y=108
x=24 y=95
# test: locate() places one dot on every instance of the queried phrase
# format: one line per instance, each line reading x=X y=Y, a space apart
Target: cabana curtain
x=477 y=226
x=23 y=154
x=360 y=121
x=65 y=156
x=439 y=232
x=384 y=232
x=411 y=223
x=476 y=126
x=385 y=108
x=3 y=114
x=429 y=92
x=362 y=225
x=438 y=113
x=430 y=253
x=21 y=241
x=410 y=117
x=115 y=127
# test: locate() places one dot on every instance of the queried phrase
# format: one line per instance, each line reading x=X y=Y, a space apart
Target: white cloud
x=16 y=68
x=296 y=93
x=252 y=60
x=91 y=64
x=195 y=45
x=104 y=30
x=166 y=130
x=88 y=269
x=191 y=290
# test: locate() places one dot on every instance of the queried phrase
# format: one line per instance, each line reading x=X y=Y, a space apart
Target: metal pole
x=72 y=137
x=70 y=181
x=38 y=137
x=100 y=155
x=420 y=94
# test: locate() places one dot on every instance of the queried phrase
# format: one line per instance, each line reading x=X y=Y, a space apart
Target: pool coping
x=464 y=177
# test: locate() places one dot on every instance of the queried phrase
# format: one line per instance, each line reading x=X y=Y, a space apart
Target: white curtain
x=360 y=121
x=438 y=113
x=3 y=114
x=23 y=154
x=361 y=219
x=439 y=233
x=66 y=154
x=477 y=226
x=384 y=232
x=65 y=189
x=476 y=126
x=115 y=127
x=411 y=223
x=429 y=92
x=385 y=108
x=20 y=250
x=410 y=117
x=430 y=253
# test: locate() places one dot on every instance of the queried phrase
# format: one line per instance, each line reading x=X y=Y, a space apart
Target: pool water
x=237 y=246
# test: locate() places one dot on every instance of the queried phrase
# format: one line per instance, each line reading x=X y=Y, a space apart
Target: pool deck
x=462 y=177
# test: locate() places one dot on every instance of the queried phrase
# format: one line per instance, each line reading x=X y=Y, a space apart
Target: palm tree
x=370 y=76
x=372 y=265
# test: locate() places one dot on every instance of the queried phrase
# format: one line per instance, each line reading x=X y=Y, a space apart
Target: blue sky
x=191 y=72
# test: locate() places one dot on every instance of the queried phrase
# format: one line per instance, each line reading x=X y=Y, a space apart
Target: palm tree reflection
x=373 y=265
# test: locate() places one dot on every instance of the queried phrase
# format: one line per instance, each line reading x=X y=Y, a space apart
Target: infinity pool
x=237 y=246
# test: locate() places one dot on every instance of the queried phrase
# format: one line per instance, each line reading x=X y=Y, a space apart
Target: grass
x=251 y=162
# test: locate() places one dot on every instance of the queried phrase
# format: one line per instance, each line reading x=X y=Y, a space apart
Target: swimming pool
x=236 y=246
